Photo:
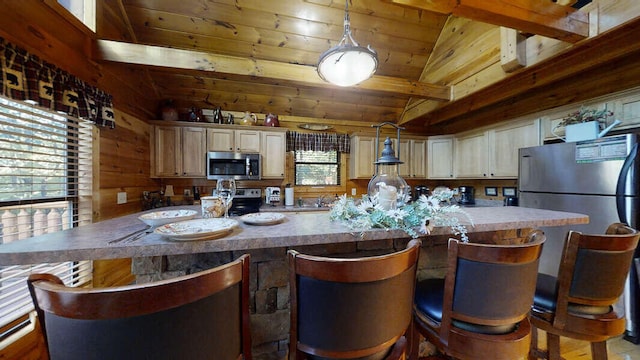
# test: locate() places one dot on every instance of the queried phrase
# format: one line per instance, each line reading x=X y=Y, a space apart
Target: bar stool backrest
x=199 y=316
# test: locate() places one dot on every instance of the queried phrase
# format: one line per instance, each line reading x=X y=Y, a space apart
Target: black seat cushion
x=546 y=293
x=429 y=296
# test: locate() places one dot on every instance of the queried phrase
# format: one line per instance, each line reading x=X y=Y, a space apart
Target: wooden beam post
x=513 y=49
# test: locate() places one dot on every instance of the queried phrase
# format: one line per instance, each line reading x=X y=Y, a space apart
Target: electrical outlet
x=455 y=191
x=122 y=198
x=353 y=192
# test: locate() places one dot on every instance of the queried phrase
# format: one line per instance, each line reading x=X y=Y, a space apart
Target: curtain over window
x=26 y=77
x=318 y=142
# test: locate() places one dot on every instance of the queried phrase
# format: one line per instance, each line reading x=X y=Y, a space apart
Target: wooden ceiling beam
x=585 y=57
x=122 y=52
x=539 y=17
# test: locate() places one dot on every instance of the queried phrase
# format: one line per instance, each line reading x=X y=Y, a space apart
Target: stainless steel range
x=246 y=201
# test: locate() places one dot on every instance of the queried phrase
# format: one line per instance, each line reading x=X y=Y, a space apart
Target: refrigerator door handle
x=622 y=180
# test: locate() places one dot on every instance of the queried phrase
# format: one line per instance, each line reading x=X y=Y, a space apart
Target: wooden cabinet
x=504 y=142
x=179 y=151
x=273 y=155
x=440 y=157
x=220 y=139
x=627 y=110
x=470 y=153
x=493 y=153
x=361 y=157
x=413 y=154
x=233 y=140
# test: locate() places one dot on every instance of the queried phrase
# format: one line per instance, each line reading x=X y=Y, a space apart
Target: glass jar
x=389 y=186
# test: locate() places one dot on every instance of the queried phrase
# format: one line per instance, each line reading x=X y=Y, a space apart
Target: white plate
x=197 y=229
x=158 y=218
x=316 y=127
x=263 y=218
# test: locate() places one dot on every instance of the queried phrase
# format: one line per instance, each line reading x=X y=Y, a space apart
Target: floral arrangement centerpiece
x=415 y=218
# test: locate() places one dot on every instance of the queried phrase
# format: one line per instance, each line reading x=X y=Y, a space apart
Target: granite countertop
x=298 y=228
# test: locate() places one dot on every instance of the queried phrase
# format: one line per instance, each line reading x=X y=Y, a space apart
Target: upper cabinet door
x=440 y=157
x=413 y=154
x=220 y=139
x=418 y=159
x=168 y=159
x=471 y=155
x=273 y=155
x=247 y=141
x=362 y=157
x=504 y=143
x=194 y=151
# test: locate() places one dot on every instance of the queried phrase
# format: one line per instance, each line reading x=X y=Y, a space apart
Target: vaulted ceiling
x=443 y=65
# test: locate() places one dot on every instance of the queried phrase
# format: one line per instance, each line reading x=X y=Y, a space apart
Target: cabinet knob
x=484 y=175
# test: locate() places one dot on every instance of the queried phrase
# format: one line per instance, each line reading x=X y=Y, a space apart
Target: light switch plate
x=353 y=192
x=122 y=198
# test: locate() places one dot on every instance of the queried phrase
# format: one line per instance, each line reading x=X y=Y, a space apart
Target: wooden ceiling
x=441 y=63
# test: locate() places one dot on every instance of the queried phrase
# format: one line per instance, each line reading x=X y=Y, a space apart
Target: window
x=83 y=10
x=45 y=186
x=317 y=167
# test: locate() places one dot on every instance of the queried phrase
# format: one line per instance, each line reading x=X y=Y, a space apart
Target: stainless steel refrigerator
x=600 y=178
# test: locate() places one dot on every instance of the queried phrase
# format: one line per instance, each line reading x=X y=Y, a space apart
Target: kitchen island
x=92 y=242
x=308 y=231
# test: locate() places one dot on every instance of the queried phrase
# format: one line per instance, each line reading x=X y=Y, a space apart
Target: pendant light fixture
x=347 y=63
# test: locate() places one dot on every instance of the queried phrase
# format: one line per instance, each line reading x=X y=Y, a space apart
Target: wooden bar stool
x=346 y=308
x=579 y=303
x=198 y=316
x=479 y=310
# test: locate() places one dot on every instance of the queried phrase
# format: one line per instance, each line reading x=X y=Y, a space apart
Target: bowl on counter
x=163 y=217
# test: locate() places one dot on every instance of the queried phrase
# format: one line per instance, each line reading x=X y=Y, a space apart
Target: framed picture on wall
x=491 y=191
x=508 y=191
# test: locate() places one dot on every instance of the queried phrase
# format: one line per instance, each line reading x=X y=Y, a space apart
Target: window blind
x=45 y=186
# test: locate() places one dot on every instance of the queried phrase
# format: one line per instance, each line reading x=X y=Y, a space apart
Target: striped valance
x=26 y=77
x=318 y=142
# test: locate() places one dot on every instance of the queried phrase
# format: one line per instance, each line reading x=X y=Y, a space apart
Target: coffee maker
x=420 y=190
x=466 y=195
x=272 y=195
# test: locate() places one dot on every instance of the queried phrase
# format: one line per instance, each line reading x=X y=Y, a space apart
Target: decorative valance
x=318 y=142
x=26 y=77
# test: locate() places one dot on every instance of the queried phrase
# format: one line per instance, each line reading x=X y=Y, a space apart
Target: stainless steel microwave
x=227 y=164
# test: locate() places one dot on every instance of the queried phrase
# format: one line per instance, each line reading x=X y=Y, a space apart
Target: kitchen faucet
x=322 y=201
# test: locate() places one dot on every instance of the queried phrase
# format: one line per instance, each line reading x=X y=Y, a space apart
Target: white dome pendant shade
x=347 y=63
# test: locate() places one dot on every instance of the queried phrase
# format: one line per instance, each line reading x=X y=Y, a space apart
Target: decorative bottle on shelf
x=195 y=114
x=168 y=111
